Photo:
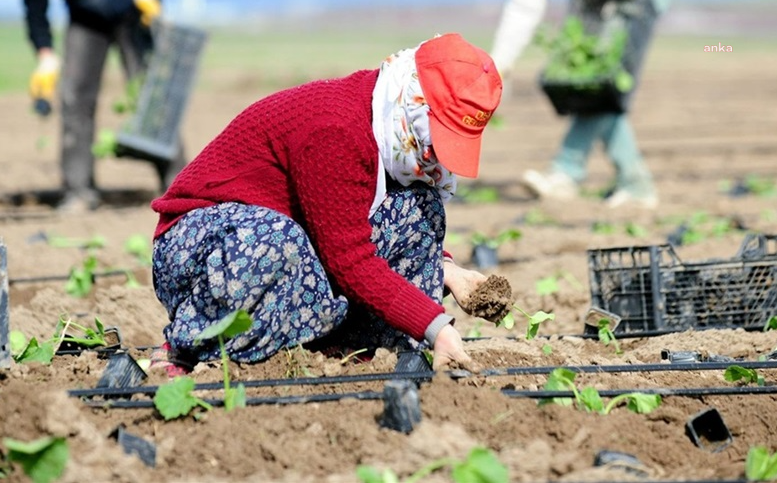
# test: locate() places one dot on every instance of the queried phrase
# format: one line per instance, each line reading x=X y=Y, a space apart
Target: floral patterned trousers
x=233 y=256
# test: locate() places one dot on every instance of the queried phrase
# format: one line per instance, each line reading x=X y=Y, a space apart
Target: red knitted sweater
x=309 y=152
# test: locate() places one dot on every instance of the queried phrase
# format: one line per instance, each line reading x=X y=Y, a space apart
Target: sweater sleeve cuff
x=430 y=334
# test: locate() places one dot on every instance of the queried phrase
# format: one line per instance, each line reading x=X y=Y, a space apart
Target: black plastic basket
x=152 y=134
x=654 y=291
x=638 y=18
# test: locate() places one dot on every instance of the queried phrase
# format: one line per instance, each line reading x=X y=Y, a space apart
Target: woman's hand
x=449 y=349
x=460 y=281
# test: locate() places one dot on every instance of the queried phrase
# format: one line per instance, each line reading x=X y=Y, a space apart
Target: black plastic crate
x=654 y=291
x=152 y=133
x=601 y=17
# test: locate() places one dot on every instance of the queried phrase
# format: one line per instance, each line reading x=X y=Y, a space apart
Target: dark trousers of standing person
x=86 y=50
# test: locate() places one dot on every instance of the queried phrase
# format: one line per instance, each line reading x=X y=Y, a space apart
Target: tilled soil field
x=705 y=122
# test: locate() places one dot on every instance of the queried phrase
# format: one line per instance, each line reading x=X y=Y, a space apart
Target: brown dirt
x=701 y=120
x=492 y=299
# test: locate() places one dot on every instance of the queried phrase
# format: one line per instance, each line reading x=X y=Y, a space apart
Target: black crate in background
x=653 y=290
x=152 y=134
x=600 y=17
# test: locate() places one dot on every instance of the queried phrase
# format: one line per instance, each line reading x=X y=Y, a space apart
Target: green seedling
x=475 y=332
x=96 y=241
x=233 y=324
x=81 y=279
x=175 y=399
x=760 y=465
x=547 y=349
x=495 y=242
x=535 y=217
x=635 y=230
x=547 y=285
x=736 y=373
x=139 y=246
x=585 y=60
x=129 y=102
x=771 y=324
x=106 y=144
x=480 y=466
x=534 y=321
x=606 y=335
x=24 y=351
x=42 y=460
x=480 y=195
x=562 y=379
x=603 y=228
x=550 y=284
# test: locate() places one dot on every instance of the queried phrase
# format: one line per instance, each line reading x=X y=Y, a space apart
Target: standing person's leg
x=136 y=47
x=227 y=257
x=568 y=168
x=85 y=53
x=633 y=180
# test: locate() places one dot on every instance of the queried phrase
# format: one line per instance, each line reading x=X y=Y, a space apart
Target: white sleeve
x=515 y=30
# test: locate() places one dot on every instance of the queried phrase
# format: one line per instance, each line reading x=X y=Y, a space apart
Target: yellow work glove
x=43 y=83
x=149 y=10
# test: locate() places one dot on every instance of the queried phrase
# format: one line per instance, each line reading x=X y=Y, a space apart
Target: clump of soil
x=491 y=300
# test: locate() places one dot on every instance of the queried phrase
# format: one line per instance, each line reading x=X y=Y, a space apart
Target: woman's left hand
x=461 y=281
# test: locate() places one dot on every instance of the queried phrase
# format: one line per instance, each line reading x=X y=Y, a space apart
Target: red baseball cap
x=463 y=88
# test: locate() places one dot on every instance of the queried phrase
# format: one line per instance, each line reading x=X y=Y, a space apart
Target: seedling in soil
x=760 y=465
x=233 y=324
x=550 y=285
x=603 y=228
x=42 y=460
x=771 y=324
x=24 y=351
x=606 y=335
x=635 y=230
x=105 y=145
x=478 y=195
x=562 y=379
x=480 y=466
x=534 y=321
x=736 y=373
x=484 y=248
x=96 y=241
x=81 y=279
x=139 y=246
x=547 y=349
x=175 y=399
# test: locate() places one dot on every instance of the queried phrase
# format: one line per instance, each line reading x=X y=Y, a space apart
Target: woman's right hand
x=449 y=349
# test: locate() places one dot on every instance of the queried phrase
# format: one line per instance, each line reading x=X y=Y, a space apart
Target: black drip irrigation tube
x=109 y=392
x=530 y=394
x=60 y=278
x=426 y=375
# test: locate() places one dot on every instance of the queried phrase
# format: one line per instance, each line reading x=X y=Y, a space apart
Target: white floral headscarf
x=400 y=122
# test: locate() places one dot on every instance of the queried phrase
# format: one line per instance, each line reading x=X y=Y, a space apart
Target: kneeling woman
x=320 y=211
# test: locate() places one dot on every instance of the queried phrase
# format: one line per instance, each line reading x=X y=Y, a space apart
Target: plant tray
x=638 y=18
x=652 y=290
x=152 y=134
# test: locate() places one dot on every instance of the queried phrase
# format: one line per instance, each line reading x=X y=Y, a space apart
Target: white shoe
x=621 y=198
x=556 y=184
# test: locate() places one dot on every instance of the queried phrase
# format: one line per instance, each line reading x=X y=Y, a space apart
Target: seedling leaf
x=738 y=373
x=481 y=466
x=36 y=352
x=547 y=286
x=43 y=460
x=771 y=324
x=591 y=400
x=760 y=465
x=175 y=399
x=234 y=323
x=560 y=379
x=139 y=246
x=508 y=322
x=17 y=341
x=535 y=321
x=643 y=403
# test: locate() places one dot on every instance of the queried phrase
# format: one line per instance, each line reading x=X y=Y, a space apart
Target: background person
x=633 y=180
x=320 y=211
x=93 y=27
